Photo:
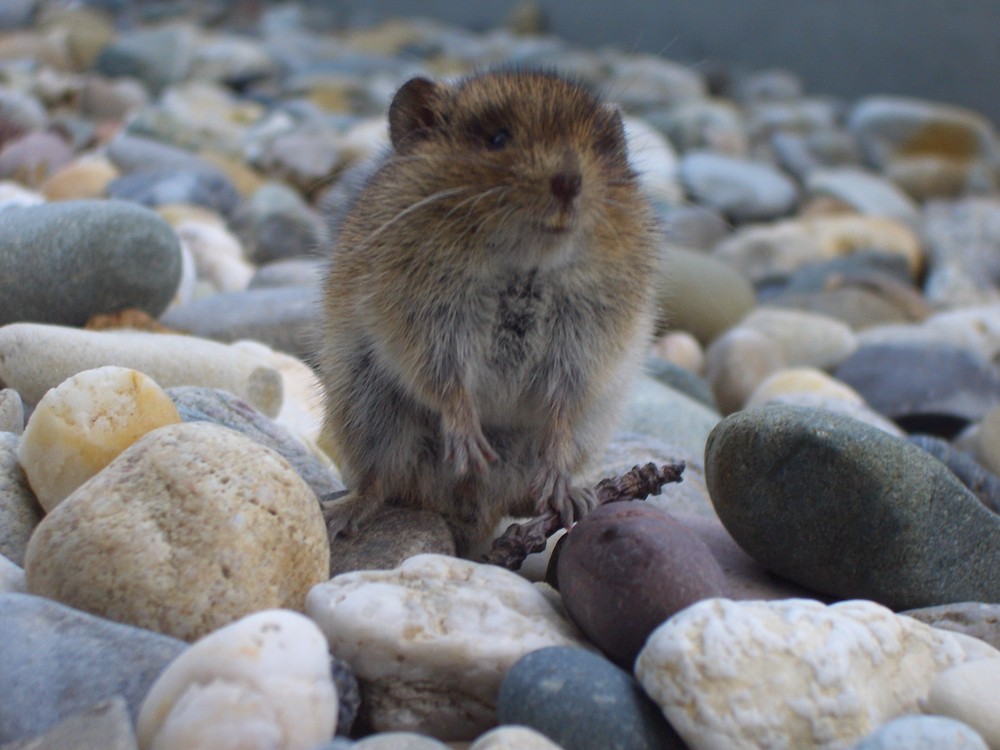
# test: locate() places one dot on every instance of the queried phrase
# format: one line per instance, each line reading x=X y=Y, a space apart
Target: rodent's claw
x=555 y=493
x=465 y=452
x=340 y=515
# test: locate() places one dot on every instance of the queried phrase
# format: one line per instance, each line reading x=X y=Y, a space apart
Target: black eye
x=498 y=139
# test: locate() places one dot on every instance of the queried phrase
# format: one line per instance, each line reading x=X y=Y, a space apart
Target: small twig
x=511 y=548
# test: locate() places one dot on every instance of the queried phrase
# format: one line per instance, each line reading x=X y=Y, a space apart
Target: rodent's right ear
x=414 y=112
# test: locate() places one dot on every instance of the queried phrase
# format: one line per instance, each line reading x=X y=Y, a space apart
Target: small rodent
x=488 y=302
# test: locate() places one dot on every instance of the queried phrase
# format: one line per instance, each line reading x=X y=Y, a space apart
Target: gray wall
x=947 y=50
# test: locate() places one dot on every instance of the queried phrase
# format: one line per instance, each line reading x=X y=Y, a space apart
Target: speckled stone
x=19 y=510
x=582 y=701
x=391 y=537
x=981 y=482
x=978 y=619
x=845 y=509
x=65 y=262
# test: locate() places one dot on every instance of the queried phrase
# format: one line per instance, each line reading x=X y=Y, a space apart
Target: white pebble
x=970 y=692
x=514 y=738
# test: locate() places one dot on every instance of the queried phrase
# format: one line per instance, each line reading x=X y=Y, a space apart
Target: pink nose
x=566 y=186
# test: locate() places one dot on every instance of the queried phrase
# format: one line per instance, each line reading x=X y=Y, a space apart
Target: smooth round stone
x=792 y=673
x=20 y=112
x=737 y=363
x=106 y=725
x=513 y=738
x=654 y=159
x=713 y=124
x=979 y=326
x=84 y=179
x=33 y=157
x=700 y=294
x=967 y=692
x=11 y=411
x=856 y=304
x=766 y=250
x=305 y=156
x=801 y=154
x=12 y=578
x=19 y=510
x=916 y=732
x=284 y=318
x=963 y=241
x=84 y=31
x=171 y=185
x=928 y=177
x=976 y=619
x=805 y=339
x=217 y=254
x=742 y=190
x=276 y=223
x=841 y=507
x=889 y=127
x=393 y=536
x=59 y=662
x=115 y=255
x=432 y=639
x=82 y=424
x=35 y=358
x=678 y=377
x=262 y=681
x=157 y=57
x=626 y=568
x=582 y=701
x=248 y=530
x=223 y=408
x=132 y=153
x=937 y=389
x=105 y=99
x=987 y=441
x=395 y=741
x=291 y=272
x=663 y=413
x=695 y=227
x=982 y=483
x=864 y=191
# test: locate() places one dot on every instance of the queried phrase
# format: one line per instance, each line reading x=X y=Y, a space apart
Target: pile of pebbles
x=827 y=364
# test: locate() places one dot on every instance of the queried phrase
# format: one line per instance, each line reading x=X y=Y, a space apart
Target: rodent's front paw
x=469 y=451
x=341 y=512
x=554 y=492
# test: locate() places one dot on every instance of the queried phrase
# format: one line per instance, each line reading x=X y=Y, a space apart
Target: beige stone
x=85 y=178
x=190 y=528
x=86 y=421
x=35 y=357
x=969 y=692
x=513 y=738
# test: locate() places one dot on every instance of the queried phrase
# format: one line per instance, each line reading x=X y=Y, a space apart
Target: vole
x=488 y=301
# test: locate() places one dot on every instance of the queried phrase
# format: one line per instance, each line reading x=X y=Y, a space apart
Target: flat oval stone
x=66 y=262
x=626 y=568
x=582 y=701
x=742 y=190
x=843 y=508
x=933 y=388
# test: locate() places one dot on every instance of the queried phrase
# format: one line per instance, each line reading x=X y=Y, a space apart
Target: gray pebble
x=20 y=512
x=58 y=661
x=290 y=272
x=742 y=190
x=162 y=187
x=105 y=726
x=978 y=619
x=918 y=732
x=843 y=508
x=982 y=483
x=65 y=262
x=157 y=57
x=276 y=223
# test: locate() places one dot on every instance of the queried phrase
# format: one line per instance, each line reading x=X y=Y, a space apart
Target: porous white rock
x=260 y=683
x=970 y=692
x=790 y=673
x=35 y=357
x=514 y=738
x=432 y=639
x=83 y=423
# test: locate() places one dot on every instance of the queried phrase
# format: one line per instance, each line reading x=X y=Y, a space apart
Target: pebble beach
x=826 y=365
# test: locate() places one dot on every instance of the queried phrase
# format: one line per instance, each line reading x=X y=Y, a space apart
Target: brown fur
x=487 y=304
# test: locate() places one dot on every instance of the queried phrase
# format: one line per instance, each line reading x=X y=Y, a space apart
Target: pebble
x=12 y=578
x=34 y=358
x=654 y=159
x=967 y=692
x=217 y=254
x=978 y=619
x=86 y=178
x=105 y=725
x=196 y=493
x=432 y=639
x=914 y=732
x=843 y=522
x=737 y=363
x=82 y=424
x=157 y=57
x=291 y=272
x=700 y=294
x=34 y=157
x=626 y=568
x=805 y=339
x=582 y=701
x=196 y=404
x=116 y=256
x=394 y=741
x=260 y=682
x=284 y=318
x=681 y=346
x=390 y=538
x=275 y=223
x=987 y=442
x=932 y=388
x=791 y=673
x=11 y=411
x=162 y=187
x=713 y=125
x=59 y=661
x=663 y=413
x=866 y=192
x=742 y=190
x=963 y=244
x=981 y=482
x=19 y=510
x=513 y=738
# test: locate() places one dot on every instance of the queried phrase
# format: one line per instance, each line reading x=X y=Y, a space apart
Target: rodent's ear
x=413 y=112
x=613 y=141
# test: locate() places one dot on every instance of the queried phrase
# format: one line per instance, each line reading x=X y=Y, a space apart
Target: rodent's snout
x=566 y=186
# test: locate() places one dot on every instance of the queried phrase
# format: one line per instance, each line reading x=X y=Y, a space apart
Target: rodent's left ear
x=614 y=137
x=414 y=112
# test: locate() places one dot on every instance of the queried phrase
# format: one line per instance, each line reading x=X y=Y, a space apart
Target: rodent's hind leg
x=344 y=513
x=465 y=446
x=555 y=492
